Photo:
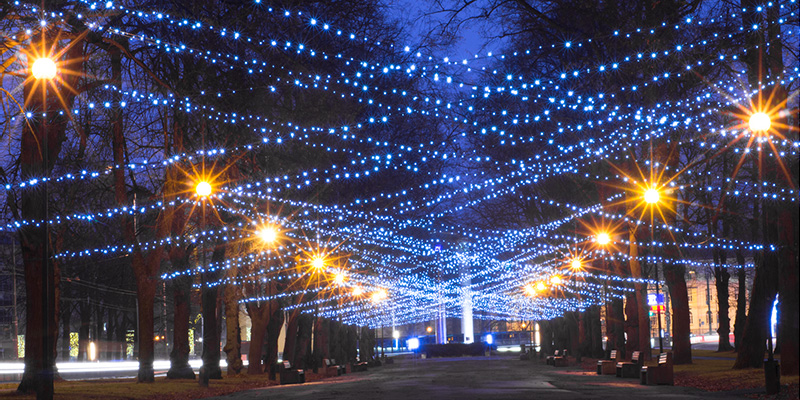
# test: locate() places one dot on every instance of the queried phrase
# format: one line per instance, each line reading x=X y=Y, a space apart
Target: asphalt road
x=497 y=377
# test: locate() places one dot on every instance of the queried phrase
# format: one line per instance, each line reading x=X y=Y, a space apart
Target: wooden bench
x=660 y=374
x=359 y=366
x=331 y=369
x=289 y=375
x=342 y=367
x=608 y=367
x=562 y=360
x=632 y=368
x=550 y=360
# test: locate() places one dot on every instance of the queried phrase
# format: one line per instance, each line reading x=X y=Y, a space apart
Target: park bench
x=289 y=375
x=342 y=367
x=550 y=360
x=660 y=374
x=608 y=367
x=359 y=366
x=331 y=369
x=561 y=361
x=632 y=368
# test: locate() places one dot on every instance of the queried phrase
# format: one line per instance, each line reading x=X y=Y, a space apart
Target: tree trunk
x=208 y=296
x=259 y=318
x=83 y=331
x=366 y=344
x=179 y=356
x=741 y=302
x=233 y=336
x=145 y=294
x=112 y=326
x=675 y=276
x=721 y=279
x=571 y=318
x=304 y=340
x=290 y=341
x=788 y=330
x=66 y=316
x=596 y=333
x=273 y=331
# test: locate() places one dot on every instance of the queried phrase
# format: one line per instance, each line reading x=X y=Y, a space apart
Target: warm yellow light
x=555 y=280
x=318 y=263
x=523 y=325
x=603 y=238
x=378 y=295
x=357 y=291
x=44 y=68
x=540 y=286
x=576 y=264
x=530 y=290
x=203 y=189
x=339 y=278
x=651 y=196
x=268 y=234
x=429 y=329
x=92 y=350
x=760 y=122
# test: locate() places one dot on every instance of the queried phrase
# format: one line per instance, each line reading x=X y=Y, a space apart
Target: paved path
x=498 y=377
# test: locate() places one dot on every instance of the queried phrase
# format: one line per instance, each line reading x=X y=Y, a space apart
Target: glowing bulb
x=603 y=239
x=318 y=263
x=357 y=291
x=339 y=278
x=576 y=264
x=44 y=68
x=530 y=290
x=378 y=295
x=651 y=196
x=203 y=189
x=429 y=329
x=760 y=122
x=268 y=234
x=540 y=286
x=555 y=280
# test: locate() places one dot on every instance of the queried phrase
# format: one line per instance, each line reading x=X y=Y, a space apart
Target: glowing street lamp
x=576 y=264
x=760 y=122
x=652 y=196
x=203 y=189
x=44 y=68
x=555 y=280
x=268 y=234
x=603 y=238
x=540 y=286
x=318 y=263
x=530 y=290
x=339 y=277
x=357 y=291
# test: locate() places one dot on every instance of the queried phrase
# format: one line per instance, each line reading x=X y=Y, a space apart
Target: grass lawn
x=717 y=374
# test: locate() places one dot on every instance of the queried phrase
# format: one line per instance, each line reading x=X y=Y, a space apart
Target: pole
x=658 y=306
x=14 y=286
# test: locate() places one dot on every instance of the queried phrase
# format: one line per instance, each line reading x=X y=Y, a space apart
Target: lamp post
x=203 y=189
x=603 y=239
x=652 y=196
x=45 y=69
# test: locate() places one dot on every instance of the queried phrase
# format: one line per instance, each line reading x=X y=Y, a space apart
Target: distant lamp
x=603 y=238
x=268 y=234
x=396 y=334
x=651 y=196
x=44 y=68
x=576 y=264
x=357 y=291
x=429 y=329
x=530 y=290
x=339 y=278
x=203 y=189
x=412 y=343
x=555 y=280
x=540 y=286
x=489 y=339
x=318 y=263
x=760 y=122
x=92 y=350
